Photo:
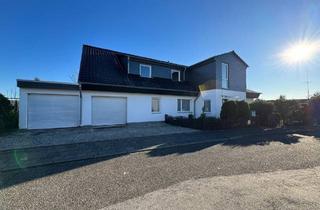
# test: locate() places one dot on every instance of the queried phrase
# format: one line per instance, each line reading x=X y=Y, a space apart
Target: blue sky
x=44 y=38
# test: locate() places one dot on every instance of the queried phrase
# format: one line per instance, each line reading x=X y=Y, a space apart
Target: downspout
x=80 y=94
x=194 y=104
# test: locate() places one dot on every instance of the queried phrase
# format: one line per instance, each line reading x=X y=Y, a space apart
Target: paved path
x=292 y=189
x=99 y=183
x=49 y=137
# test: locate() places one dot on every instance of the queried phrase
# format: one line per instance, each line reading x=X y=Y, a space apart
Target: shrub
x=229 y=111
x=263 y=111
x=212 y=123
x=243 y=112
x=315 y=107
x=205 y=123
x=8 y=114
x=287 y=109
x=273 y=120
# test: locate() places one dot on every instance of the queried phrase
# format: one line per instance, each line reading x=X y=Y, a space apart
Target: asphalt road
x=95 y=184
x=290 y=189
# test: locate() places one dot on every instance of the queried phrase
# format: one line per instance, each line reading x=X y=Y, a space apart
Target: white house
x=119 y=88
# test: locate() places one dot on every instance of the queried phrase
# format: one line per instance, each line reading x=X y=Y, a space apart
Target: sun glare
x=300 y=52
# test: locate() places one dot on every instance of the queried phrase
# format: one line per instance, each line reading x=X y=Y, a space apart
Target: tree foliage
x=315 y=107
x=243 y=111
x=263 y=111
x=8 y=114
x=229 y=111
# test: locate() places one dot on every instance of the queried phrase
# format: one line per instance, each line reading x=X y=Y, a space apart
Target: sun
x=300 y=52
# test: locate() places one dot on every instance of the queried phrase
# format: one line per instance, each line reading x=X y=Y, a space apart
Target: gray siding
x=157 y=71
x=209 y=74
x=237 y=72
x=204 y=74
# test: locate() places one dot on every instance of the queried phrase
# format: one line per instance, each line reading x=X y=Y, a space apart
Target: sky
x=44 y=38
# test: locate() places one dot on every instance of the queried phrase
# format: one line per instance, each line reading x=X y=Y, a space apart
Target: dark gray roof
x=46 y=85
x=106 y=67
x=214 y=57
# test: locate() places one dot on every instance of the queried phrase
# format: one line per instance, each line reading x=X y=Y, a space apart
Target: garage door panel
x=53 y=111
x=109 y=110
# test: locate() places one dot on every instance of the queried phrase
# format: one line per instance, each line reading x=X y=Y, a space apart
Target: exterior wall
x=157 y=71
x=205 y=73
x=23 y=103
x=138 y=106
x=237 y=72
x=209 y=75
x=216 y=96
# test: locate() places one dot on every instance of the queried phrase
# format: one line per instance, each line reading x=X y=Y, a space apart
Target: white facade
x=138 y=106
x=216 y=96
x=25 y=109
x=120 y=108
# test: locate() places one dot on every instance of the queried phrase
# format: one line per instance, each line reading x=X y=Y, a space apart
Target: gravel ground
x=45 y=137
x=98 y=183
x=292 y=189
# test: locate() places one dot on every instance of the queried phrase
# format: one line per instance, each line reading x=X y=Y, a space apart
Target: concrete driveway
x=48 y=137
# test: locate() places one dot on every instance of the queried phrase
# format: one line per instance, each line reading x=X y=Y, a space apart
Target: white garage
x=52 y=111
x=109 y=110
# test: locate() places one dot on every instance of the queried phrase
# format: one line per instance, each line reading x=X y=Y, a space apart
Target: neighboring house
x=119 y=88
x=252 y=96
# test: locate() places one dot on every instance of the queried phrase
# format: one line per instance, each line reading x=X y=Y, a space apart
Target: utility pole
x=308 y=85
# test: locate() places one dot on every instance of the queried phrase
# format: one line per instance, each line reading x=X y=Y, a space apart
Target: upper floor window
x=183 y=105
x=145 y=70
x=225 y=75
x=175 y=75
x=207 y=106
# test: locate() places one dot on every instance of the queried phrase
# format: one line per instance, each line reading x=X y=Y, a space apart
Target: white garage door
x=109 y=110
x=53 y=111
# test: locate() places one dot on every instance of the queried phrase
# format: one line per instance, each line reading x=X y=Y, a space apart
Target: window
x=183 y=105
x=145 y=70
x=225 y=75
x=175 y=75
x=155 y=105
x=207 y=106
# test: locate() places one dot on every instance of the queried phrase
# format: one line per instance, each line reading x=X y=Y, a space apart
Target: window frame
x=227 y=75
x=145 y=65
x=159 y=105
x=179 y=73
x=180 y=105
x=204 y=102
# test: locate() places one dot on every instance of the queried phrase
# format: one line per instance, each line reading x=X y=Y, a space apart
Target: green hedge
x=8 y=114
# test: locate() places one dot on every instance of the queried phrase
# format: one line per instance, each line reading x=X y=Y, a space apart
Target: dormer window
x=175 y=75
x=145 y=70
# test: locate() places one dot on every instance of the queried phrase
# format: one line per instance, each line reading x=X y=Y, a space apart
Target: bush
x=8 y=114
x=229 y=111
x=315 y=107
x=203 y=123
x=243 y=112
x=263 y=111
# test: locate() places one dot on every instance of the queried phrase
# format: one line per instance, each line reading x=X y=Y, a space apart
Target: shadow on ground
x=15 y=177
x=162 y=146
x=259 y=140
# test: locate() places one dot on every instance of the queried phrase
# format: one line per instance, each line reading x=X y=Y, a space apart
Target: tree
x=315 y=107
x=229 y=111
x=8 y=114
x=263 y=111
x=243 y=111
x=287 y=109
